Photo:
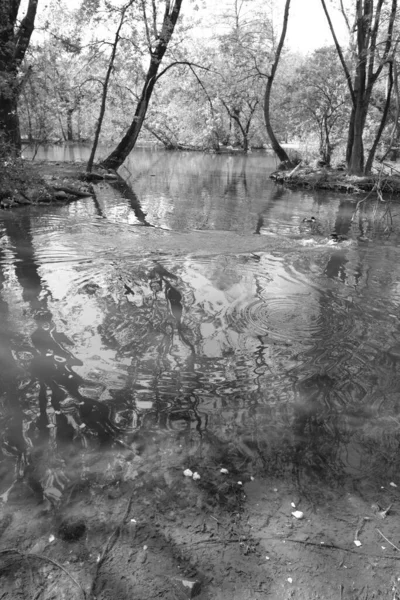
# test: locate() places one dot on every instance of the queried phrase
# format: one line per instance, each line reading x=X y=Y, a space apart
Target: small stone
x=196 y=476
x=188 y=587
x=188 y=473
x=224 y=471
x=298 y=514
x=357 y=543
x=61 y=195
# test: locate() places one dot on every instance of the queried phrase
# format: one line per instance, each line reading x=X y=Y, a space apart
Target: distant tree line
x=117 y=71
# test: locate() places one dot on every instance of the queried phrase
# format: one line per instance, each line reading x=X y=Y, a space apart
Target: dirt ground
x=135 y=527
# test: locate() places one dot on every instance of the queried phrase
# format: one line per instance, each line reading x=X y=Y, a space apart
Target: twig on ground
x=334 y=547
x=46 y=558
x=388 y=541
x=109 y=545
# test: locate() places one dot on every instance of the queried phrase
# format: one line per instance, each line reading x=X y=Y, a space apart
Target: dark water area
x=199 y=304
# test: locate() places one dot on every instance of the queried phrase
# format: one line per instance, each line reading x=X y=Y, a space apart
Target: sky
x=308 y=27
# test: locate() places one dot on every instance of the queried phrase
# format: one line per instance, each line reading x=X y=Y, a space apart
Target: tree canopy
x=190 y=74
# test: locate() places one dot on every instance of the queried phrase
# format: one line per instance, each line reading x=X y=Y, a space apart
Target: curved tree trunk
x=277 y=148
x=126 y=145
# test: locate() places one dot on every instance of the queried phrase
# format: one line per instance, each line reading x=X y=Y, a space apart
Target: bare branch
x=340 y=52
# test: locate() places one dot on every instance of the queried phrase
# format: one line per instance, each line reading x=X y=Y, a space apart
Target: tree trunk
x=105 y=89
x=371 y=155
x=356 y=164
x=350 y=136
x=14 y=41
x=373 y=50
x=70 y=133
x=9 y=123
x=126 y=145
x=277 y=148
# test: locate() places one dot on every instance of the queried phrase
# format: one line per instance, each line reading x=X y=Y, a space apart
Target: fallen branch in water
x=47 y=559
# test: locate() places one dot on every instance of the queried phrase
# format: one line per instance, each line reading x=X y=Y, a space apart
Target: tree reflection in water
x=252 y=360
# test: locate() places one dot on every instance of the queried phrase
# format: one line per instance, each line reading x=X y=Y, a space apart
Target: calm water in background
x=200 y=303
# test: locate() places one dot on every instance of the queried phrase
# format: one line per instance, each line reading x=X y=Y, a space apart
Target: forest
x=199 y=75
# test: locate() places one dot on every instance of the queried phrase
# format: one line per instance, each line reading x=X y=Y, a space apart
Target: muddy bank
x=338 y=181
x=134 y=531
x=24 y=183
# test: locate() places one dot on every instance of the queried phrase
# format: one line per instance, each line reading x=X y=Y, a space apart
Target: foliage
x=209 y=91
x=318 y=100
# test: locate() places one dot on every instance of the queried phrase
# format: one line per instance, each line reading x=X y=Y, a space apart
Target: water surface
x=199 y=303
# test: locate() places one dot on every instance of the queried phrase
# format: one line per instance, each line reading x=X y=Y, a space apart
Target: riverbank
x=337 y=180
x=229 y=533
x=24 y=183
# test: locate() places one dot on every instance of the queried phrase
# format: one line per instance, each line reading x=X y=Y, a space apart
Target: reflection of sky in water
x=255 y=316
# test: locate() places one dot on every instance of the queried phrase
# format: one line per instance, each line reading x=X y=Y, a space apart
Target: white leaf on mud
x=188 y=473
x=292 y=504
x=357 y=543
x=240 y=483
x=51 y=538
x=196 y=476
x=224 y=471
x=290 y=580
x=392 y=484
x=4 y=497
x=298 y=514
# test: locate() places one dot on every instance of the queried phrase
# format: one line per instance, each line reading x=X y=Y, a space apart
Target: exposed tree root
x=47 y=559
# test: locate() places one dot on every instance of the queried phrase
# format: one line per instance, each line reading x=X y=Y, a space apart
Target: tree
x=277 y=148
x=14 y=41
x=105 y=85
x=240 y=60
x=373 y=50
x=318 y=100
x=158 y=37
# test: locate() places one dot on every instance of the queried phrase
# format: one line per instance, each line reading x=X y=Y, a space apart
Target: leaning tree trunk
x=126 y=145
x=277 y=148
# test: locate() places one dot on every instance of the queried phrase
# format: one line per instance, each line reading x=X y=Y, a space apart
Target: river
x=203 y=305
